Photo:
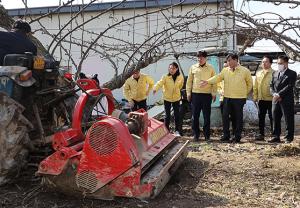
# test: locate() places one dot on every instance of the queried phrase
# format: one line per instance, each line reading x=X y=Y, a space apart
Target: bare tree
x=285 y=32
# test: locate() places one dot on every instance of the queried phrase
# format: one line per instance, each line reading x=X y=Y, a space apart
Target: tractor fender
x=12 y=73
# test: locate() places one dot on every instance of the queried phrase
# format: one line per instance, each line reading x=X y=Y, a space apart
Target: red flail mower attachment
x=132 y=157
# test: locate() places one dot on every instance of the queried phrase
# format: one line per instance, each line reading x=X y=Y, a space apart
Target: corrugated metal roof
x=135 y=4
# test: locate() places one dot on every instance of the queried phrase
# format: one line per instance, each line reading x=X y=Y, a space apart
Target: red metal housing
x=110 y=161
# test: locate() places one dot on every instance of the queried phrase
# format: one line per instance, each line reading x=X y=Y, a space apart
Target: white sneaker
x=177 y=134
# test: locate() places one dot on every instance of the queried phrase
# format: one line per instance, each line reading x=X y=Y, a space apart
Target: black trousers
x=230 y=117
x=175 y=106
x=201 y=102
x=264 y=106
x=139 y=105
x=287 y=110
x=233 y=107
x=184 y=108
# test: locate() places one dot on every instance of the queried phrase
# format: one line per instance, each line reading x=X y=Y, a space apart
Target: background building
x=152 y=18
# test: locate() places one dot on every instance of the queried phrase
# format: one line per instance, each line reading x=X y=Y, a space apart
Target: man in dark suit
x=282 y=88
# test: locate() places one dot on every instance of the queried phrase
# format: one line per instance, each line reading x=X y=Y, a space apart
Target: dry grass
x=286 y=150
x=247 y=175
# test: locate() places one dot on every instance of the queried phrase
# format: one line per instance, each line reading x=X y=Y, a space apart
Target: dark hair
x=284 y=58
x=177 y=73
x=202 y=54
x=21 y=25
x=234 y=56
x=135 y=71
x=174 y=64
x=268 y=57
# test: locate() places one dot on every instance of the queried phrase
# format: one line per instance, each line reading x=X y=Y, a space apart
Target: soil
x=250 y=174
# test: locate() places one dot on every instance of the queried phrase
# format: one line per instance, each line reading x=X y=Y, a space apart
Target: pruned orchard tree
x=283 y=30
x=178 y=31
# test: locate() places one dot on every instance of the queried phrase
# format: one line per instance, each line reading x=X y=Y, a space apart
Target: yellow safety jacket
x=261 y=87
x=237 y=83
x=171 y=89
x=198 y=73
x=138 y=90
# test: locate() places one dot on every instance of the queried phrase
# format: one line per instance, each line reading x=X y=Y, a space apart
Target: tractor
x=98 y=151
x=36 y=100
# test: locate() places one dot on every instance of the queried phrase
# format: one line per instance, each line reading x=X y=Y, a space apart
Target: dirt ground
x=250 y=174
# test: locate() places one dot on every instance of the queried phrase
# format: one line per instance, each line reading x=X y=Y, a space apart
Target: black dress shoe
x=207 y=139
x=260 y=138
x=288 y=141
x=196 y=139
x=236 y=140
x=224 y=139
x=274 y=140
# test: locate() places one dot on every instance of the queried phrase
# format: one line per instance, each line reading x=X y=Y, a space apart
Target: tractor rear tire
x=14 y=139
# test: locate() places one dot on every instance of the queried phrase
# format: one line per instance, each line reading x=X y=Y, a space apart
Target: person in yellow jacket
x=237 y=86
x=171 y=84
x=201 y=97
x=136 y=89
x=220 y=90
x=262 y=95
